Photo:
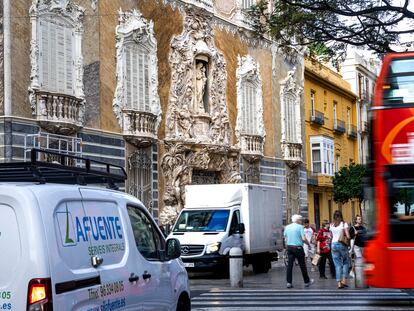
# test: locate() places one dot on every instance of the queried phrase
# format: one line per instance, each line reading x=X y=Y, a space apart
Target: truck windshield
x=200 y=221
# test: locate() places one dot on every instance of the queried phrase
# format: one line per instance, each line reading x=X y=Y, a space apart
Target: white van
x=73 y=247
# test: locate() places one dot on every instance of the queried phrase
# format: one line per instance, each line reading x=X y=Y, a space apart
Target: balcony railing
x=317 y=117
x=292 y=153
x=59 y=113
x=312 y=178
x=139 y=127
x=352 y=132
x=339 y=126
x=251 y=145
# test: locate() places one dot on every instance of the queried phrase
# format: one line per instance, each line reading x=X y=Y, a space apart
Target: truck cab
x=207 y=235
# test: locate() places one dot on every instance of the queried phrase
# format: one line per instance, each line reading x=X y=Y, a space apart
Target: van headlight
x=213 y=248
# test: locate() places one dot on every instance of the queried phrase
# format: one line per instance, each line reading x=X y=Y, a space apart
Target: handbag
x=343 y=238
x=315 y=260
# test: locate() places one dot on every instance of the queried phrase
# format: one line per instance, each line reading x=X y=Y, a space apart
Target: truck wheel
x=261 y=264
x=184 y=303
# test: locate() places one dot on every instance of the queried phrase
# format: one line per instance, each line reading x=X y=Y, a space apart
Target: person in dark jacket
x=357 y=233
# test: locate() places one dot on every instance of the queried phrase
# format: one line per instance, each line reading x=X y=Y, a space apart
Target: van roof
x=65 y=169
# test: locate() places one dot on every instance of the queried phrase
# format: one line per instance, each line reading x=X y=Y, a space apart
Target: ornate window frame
x=134 y=28
x=69 y=13
x=289 y=89
x=248 y=71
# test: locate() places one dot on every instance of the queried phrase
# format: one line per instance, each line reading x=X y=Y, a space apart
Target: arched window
x=249 y=111
x=290 y=96
x=56 y=55
x=137 y=79
x=250 y=125
x=137 y=76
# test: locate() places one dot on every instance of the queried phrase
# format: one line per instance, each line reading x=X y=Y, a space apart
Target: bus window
x=402 y=211
x=398 y=87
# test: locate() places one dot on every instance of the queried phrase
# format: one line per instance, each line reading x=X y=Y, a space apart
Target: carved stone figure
x=185 y=121
x=200 y=86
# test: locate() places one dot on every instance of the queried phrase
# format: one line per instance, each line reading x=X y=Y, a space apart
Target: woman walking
x=323 y=248
x=340 y=255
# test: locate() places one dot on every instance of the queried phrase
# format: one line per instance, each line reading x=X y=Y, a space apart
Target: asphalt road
x=265 y=292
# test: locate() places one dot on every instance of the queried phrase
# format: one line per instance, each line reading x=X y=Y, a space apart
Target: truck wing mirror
x=173 y=249
x=241 y=229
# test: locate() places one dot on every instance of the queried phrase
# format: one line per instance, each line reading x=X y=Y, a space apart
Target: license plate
x=189 y=264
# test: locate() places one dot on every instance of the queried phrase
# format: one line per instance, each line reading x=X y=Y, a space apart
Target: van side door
x=157 y=287
x=71 y=272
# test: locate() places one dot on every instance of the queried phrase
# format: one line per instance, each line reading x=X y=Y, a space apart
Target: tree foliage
x=375 y=24
x=347 y=183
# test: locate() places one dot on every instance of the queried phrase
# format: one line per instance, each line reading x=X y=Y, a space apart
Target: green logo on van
x=68 y=240
x=66 y=227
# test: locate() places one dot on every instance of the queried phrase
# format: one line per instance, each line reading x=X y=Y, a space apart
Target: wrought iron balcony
x=292 y=153
x=317 y=117
x=339 y=126
x=139 y=127
x=352 y=132
x=58 y=113
x=251 y=145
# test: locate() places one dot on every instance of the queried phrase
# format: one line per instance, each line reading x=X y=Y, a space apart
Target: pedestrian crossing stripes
x=306 y=299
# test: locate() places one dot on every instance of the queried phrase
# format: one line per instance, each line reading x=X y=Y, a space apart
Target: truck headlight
x=213 y=247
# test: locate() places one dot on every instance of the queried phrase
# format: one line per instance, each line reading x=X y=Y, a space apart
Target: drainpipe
x=7 y=58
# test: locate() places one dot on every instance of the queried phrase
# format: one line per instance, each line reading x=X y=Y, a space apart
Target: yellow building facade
x=331 y=139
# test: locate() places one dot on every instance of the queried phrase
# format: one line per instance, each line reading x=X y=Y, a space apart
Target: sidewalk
x=274 y=279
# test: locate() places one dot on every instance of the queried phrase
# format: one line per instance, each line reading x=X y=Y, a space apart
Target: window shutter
x=53 y=63
x=69 y=61
x=44 y=54
x=128 y=77
x=60 y=59
x=140 y=80
x=146 y=83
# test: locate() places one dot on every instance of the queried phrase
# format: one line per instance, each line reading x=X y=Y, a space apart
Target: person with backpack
x=323 y=248
x=340 y=243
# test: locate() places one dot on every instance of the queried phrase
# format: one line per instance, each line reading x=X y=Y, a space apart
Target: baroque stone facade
x=198 y=130
x=166 y=103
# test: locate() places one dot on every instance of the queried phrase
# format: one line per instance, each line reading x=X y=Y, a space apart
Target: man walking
x=295 y=237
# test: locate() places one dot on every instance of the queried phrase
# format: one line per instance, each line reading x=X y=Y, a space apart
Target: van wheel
x=184 y=303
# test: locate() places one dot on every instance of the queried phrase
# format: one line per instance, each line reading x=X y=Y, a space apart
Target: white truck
x=219 y=217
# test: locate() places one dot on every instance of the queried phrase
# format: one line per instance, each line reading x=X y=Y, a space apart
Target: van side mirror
x=241 y=229
x=173 y=249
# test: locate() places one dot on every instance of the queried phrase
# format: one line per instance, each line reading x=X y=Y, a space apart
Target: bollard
x=236 y=267
x=359 y=273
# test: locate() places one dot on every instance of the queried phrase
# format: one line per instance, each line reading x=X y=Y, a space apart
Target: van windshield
x=201 y=221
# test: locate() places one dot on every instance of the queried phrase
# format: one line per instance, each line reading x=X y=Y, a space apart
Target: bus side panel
x=402 y=257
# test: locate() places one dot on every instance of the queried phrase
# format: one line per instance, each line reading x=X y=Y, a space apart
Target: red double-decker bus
x=389 y=255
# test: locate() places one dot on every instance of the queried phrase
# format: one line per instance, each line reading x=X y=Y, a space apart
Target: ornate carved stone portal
x=179 y=162
x=197 y=108
x=197 y=130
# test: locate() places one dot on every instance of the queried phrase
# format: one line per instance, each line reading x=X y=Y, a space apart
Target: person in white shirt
x=339 y=250
x=309 y=235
